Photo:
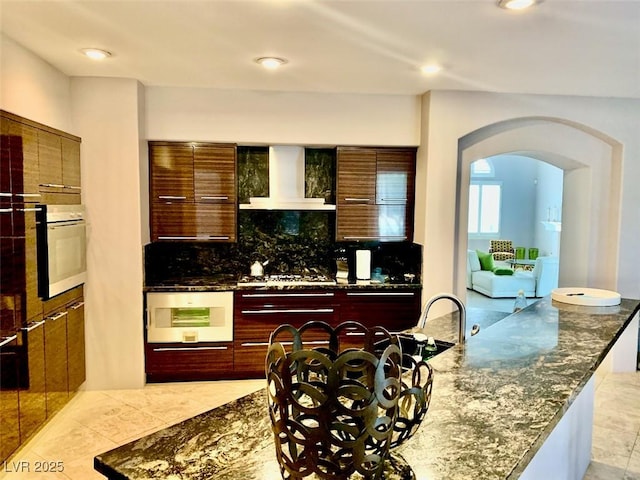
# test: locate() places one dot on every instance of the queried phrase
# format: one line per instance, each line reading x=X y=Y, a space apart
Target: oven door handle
x=58 y=226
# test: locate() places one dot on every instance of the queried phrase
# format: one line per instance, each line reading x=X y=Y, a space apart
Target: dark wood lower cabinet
x=395 y=310
x=9 y=391
x=182 y=361
x=55 y=351
x=76 y=367
x=258 y=312
x=33 y=406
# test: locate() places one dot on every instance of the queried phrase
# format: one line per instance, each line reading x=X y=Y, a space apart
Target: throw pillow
x=486 y=260
x=502 y=271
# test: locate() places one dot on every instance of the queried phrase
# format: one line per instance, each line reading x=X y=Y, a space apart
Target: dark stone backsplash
x=292 y=241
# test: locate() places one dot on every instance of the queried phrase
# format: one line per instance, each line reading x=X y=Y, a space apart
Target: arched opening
x=591 y=162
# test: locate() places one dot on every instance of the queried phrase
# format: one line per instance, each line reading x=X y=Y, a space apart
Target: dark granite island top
x=496 y=400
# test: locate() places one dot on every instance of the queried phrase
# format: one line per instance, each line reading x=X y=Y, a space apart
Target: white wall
x=248 y=117
x=548 y=207
x=32 y=88
x=106 y=112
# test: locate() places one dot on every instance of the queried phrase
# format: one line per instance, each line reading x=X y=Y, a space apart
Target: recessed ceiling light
x=431 y=69
x=271 y=62
x=517 y=4
x=95 y=53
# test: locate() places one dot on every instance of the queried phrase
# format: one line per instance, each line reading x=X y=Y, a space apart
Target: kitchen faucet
x=463 y=313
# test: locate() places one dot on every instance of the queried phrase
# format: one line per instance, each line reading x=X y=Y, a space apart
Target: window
x=482 y=168
x=484 y=208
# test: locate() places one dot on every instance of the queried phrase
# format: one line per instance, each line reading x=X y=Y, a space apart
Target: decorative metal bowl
x=338 y=411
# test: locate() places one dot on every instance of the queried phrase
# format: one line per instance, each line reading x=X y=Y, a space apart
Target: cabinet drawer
x=249 y=357
x=257 y=325
x=394 y=310
x=258 y=313
x=179 y=361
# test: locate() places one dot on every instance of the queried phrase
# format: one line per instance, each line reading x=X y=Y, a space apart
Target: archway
x=591 y=162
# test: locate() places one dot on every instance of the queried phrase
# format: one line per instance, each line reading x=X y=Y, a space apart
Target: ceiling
x=579 y=47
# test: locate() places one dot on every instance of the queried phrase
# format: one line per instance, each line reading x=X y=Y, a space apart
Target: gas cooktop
x=286 y=279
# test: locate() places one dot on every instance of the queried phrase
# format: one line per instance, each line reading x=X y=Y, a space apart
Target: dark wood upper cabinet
x=376 y=190
x=171 y=170
x=356 y=176
x=70 y=154
x=193 y=222
x=395 y=176
x=214 y=174
x=20 y=174
x=50 y=159
x=193 y=191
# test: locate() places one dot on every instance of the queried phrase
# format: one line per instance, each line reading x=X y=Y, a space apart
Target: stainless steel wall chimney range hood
x=286 y=183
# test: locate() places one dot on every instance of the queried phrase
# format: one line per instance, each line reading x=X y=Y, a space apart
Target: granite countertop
x=495 y=400
x=229 y=282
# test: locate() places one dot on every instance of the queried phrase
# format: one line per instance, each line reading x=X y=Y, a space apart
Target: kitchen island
x=498 y=400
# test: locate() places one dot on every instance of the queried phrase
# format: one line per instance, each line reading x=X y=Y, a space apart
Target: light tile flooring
x=97 y=421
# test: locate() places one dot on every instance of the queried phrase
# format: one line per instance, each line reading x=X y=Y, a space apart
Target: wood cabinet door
x=395 y=176
x=171 y=171
x=179 y=361
x=356 y=180
x=214 y=174
x=76 y=346
x=33 y=407
x=10 y=299
x=395 y=310
x=55 y=348
x=216 y=222
x=5 y=159
x=26 y=260
x=70 y=164
x=356 y=222
x=9 y=387
x=188 y=221
x=257 y=313
x=20 y=173
x=389 y=223
x=50 y=160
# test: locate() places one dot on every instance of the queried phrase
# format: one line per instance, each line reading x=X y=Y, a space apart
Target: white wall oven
x=189 y=317
x=62 y=262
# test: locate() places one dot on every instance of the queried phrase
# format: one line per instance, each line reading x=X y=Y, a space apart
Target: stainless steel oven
x=189 y=317
x=62 y=262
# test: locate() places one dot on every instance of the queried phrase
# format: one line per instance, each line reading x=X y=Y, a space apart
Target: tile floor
x=97 y=421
